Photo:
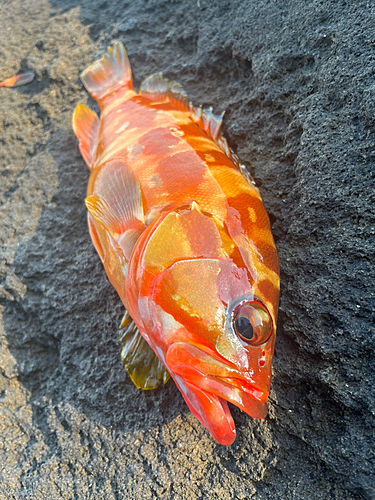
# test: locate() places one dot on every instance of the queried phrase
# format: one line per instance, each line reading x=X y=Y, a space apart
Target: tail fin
x=108 y=74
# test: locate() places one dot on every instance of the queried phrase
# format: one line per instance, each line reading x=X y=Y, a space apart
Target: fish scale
x=185 y=240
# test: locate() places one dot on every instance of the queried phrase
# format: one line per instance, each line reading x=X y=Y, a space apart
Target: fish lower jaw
x=208 y=397
x=201 y=371
x=250 y=400
x=212 y=410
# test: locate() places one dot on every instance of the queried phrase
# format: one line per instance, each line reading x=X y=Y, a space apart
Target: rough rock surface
x=297 y=81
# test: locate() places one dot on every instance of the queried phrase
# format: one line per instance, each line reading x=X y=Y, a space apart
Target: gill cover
x=182 y=267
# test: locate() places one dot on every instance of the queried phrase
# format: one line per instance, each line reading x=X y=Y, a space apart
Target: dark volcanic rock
x=297 y=81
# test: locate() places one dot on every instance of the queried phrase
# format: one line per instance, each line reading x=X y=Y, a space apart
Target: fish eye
x=252 y=322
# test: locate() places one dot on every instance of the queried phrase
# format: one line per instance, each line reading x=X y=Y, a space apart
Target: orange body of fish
x=185 y=240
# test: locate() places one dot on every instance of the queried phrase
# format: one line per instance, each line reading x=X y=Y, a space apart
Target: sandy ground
x=297 y=81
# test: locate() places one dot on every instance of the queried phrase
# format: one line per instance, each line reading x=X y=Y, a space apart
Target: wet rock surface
x=297 y=81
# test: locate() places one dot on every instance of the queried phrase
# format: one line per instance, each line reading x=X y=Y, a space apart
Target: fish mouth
x=208 y=384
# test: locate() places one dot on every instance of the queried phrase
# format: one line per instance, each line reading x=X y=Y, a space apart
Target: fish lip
x=233 y=387
x=248 y=385
x=249 y=390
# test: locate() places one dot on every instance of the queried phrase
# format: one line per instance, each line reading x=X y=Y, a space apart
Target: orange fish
x=185 y=240
x=17 y=81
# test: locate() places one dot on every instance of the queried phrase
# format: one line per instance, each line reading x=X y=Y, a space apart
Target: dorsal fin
x=116 y=202
x=211 y=124
x=110 y=73
x=160 y=89
x=207 y=121
x=86 y=128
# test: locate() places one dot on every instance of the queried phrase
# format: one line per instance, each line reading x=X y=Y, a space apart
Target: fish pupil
x=244 y=328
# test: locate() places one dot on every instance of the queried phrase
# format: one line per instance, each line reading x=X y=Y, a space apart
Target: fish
x=18 y=80
x=185 y=240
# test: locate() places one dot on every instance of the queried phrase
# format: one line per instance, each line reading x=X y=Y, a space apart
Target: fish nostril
x=262 y=362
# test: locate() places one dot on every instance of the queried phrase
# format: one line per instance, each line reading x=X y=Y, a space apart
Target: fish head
x=198 y=303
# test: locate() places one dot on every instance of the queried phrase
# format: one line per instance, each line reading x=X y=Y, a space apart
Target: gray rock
x=297 y=81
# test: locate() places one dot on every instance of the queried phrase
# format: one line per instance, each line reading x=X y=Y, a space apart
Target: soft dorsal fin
x=86 y=128
x=141 y=363
x=110 y=73
x=116 y=202
x=160 y=89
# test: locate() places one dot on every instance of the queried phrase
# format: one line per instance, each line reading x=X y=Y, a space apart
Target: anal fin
x=86 y=128
x=144 y=368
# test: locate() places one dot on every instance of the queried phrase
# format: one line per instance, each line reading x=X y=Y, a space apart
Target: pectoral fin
x=142 y=365
x=103 y=213
x=116 y=202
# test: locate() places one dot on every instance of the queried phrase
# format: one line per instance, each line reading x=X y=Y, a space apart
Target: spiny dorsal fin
x=211 y=124
x=160 y=89
x=116 y=201
x=86 y=128
x=144 y=368
x=108 y=74
x=207 y=121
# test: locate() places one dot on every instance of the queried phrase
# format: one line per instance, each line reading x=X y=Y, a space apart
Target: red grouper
x=185 y=240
